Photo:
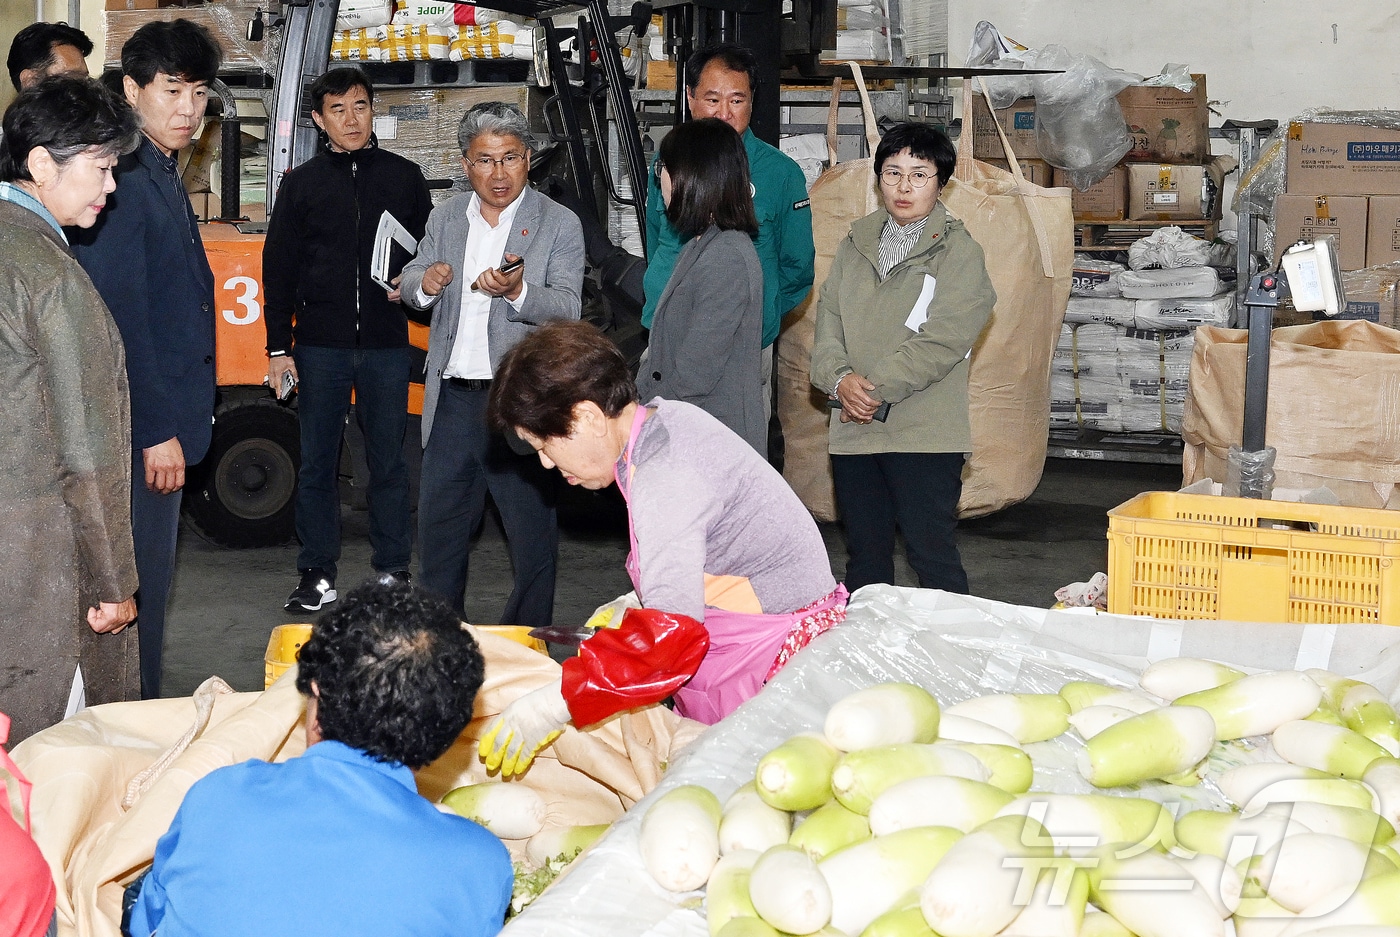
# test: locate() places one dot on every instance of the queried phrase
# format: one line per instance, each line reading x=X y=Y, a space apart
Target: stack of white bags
x=1124 y=353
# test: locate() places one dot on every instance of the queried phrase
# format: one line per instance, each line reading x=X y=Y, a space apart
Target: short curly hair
x=395 y=673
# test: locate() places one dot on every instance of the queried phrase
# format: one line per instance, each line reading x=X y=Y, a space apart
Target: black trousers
x=916 y=492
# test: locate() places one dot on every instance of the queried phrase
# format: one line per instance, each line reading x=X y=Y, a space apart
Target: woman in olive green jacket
x=906 y=298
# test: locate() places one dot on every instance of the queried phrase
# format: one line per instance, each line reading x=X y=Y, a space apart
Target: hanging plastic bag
x=1079 y=125
x=990 y=49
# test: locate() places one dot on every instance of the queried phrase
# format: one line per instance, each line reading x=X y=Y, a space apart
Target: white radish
x=867 y=879
x=952 y=728
x=1177 y=676
x=1027 y=717
x=679 y=838
x=1091 y=720
x=1354 y=930
x=1329 y=748
x=1375 y=902
x=1257 y=705
x=1101 y=924
x=748 y=823
x=1222 y=883
x=861 y=776
x=828 y=828
x=1056 y=905
x=1383 y=776
x=1008 y=767
x=1302 y=869
x=511 y=811
x=936 y=801
x=727 y=891
x=789 y=892
x=567 y=841
x=1080 y=694
x=1080 y=823
x=1353 y=823
x=1240 y=784
x=1338 y=792
x=884 y=714
x=973 y=892
x=797 y=774
x=1158 y=744
x=1231 y=837
x=1153 y=896
x=901 y=922
x=1363 y=708
x=1262 y=917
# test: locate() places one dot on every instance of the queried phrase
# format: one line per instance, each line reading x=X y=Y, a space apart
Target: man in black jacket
x=350 y=334
x=146 y=258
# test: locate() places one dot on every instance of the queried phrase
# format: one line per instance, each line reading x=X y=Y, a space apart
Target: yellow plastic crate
x=282 y=648
x=1173 y=555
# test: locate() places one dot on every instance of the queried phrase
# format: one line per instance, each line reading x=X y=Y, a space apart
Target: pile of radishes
x=903 y=819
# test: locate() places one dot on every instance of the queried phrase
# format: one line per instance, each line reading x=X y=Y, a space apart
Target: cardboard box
x=661 y=75
x=228 y=21
x=1305 y=217
x=1342 y=159
x=1105 y=200
x=1167 y=125
x=1017 y=122
x=1383 y=230
x=1036 y=171
x=1165 y=192
x=421 y=123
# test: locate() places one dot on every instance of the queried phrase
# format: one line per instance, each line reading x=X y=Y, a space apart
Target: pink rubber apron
x=743 y=645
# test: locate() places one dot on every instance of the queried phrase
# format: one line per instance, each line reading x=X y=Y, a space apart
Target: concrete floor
x=224 y=603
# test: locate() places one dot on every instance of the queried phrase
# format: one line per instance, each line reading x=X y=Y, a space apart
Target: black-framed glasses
x=484 y=164
x=918 y=178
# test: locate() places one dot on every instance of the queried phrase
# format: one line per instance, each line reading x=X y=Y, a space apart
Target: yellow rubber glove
x=610 y=615
x=524 y=728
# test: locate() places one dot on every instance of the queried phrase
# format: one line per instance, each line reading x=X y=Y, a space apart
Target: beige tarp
x=107 y=781
x=1333 y=408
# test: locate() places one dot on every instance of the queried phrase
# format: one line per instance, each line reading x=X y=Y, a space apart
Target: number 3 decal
x=248 y=299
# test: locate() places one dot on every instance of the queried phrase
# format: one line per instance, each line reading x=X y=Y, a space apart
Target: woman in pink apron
x=729 y=568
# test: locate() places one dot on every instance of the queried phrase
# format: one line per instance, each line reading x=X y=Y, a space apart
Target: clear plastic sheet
x=1079 y=124
x=227 y=21
x=958 y=647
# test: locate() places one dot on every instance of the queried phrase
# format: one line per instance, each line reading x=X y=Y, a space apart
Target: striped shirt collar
x=9 y=192
x=897 y=242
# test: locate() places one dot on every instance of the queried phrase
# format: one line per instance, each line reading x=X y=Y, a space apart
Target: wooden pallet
x=1118 y=235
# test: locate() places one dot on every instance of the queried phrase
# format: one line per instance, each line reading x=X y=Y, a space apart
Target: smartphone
x=287 y=385
x=512 y=266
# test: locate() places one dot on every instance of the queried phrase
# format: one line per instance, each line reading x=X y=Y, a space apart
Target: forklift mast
x=308 y=26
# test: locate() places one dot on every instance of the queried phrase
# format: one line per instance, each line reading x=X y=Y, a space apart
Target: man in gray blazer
x=482 y=303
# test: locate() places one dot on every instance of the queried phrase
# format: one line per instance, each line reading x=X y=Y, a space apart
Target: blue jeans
x=918 y=493
x=379 y=378
x=462 y=461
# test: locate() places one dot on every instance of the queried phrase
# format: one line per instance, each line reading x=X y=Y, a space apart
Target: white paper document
x=382 y=264
x=919 y=313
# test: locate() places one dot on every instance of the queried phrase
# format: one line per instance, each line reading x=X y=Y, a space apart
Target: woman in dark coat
x=67 y=571
x=707 y=335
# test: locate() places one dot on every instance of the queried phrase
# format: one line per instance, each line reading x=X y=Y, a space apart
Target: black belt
x=469 y=383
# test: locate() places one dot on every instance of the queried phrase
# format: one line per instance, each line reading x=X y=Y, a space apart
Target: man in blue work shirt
x=338 y=841
x=720 y=83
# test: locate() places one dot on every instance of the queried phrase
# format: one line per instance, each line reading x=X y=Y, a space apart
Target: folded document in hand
x=393 y=247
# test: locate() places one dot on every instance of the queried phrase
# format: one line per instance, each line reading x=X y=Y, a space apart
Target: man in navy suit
x=146 y=258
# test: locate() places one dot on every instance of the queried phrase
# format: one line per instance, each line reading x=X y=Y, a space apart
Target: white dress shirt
x=471 y=354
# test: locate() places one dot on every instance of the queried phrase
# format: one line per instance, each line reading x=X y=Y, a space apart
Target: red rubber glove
x=642 y=661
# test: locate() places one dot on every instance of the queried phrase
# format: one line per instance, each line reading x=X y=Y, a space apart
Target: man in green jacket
x=720 y=83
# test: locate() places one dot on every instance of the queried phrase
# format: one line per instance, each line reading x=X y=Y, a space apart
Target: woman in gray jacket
x=707 y=334
x=906 y=298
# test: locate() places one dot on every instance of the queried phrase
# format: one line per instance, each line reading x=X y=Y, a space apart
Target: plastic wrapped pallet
x=1084 y=382
x=228 y=21
x=956 y=647
x=421 y=123
x=496 y=41
x=1177 y=283
x=924 y=27
x=1107 y=310
x=1214 y=310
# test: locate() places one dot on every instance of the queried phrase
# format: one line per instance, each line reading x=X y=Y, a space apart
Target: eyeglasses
x=484 y=164
x=893 y=177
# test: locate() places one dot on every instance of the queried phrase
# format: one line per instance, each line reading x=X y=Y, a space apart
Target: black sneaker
x=316 y=590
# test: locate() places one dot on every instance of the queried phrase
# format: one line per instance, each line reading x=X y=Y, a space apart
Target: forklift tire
x=244 y=492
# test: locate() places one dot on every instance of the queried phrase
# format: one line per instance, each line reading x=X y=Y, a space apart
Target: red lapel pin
x=524 y=232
